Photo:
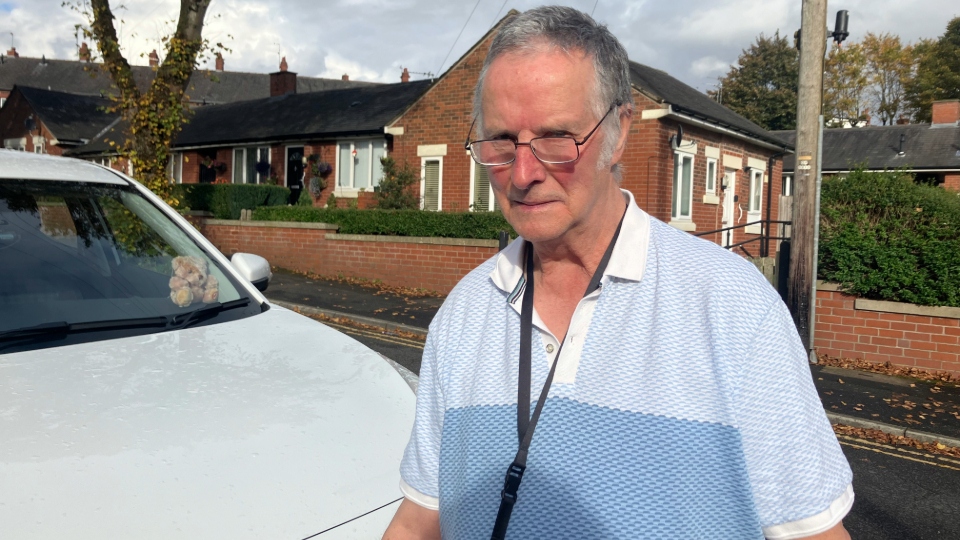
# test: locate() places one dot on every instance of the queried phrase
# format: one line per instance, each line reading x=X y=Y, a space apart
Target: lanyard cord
x=525 y=424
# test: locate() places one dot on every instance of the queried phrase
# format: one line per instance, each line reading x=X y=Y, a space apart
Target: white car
x=149 y=390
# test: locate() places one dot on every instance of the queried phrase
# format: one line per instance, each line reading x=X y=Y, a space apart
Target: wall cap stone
x=945 y=312
x=273 y=224
x=886 y=306
x=468 y=242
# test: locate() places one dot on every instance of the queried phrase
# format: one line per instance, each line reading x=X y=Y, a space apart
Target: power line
x=594 y=7
x=458 y=38
x=497 y=16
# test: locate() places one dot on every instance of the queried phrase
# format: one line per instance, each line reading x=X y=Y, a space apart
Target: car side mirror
x=254 y=268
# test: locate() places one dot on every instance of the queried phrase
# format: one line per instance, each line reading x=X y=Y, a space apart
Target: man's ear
x=626 y=118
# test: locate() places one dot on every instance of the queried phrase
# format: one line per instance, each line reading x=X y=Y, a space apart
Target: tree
x=763 y=85
x=937 y=72
x=890 y=64
x=394 y=191
x=155 y=114
x=845 y=86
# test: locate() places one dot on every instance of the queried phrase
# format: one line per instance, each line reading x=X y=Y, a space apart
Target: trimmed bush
x=884 y=237
x=481 y=225
x=226 y=200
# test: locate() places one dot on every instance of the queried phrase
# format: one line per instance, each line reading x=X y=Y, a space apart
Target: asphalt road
x=901 y=494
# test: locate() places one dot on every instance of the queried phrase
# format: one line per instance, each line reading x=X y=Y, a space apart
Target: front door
x=729 y=205
x=295 y=167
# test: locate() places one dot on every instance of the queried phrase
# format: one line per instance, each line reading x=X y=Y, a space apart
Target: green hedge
x=482 y=225
x=226 y=200
x=884 y=237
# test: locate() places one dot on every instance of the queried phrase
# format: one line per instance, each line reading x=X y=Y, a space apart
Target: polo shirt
x=682 y=406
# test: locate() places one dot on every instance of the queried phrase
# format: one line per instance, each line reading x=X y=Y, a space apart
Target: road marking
x=881 y=449
x=396 y=340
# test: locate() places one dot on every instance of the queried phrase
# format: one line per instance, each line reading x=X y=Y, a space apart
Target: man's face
x=541 y=93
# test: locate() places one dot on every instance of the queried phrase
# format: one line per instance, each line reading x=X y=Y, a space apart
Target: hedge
x=884 y=237
x=482 y=225
x=226 y=200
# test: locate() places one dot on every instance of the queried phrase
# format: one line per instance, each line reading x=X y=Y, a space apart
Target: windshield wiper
x=59 y=329
x=180 y=322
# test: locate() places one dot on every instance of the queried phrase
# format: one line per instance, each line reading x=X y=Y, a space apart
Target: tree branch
x=106 y=36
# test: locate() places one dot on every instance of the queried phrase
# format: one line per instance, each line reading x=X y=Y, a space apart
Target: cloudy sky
x=694 y=40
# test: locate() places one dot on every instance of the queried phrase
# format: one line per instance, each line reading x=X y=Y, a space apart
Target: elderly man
x=605 y=376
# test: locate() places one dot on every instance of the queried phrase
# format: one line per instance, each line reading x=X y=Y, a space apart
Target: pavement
x=924 y=411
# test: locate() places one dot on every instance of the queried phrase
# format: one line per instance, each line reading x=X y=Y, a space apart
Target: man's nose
x=527 y=169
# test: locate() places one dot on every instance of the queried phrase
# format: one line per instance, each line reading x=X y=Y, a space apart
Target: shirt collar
x=627 y=262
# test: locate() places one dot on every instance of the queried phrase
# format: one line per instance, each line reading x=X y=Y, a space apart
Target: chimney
x=903 y=120
x=219 y=62
x=12 y=53
x=946 y=112
x=405 y=76
x=344 y=77
x=84 y=52
x=154 y=58
x=283 y=82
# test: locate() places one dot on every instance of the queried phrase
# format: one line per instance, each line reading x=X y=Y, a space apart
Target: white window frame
x=756 y=183
x=352 y=190
x=243 y=169
x=176 y=166
x=711 y=181
x=423 y=181
x=39 y=144
x=787 y=187
x=19 y=144
x=676 y=183
x=473 y=179
x=2 y=101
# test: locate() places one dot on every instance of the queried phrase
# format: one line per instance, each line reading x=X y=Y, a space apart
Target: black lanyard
x=526 y=424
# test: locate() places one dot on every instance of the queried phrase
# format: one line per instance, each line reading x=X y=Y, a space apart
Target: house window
x=756 y=191
x=39 y=145
x=245 y=165
x=431 y=183
x=682 y=202
x=787 y=185
x=2 y=101
x=176 y=167
x=711 y=176
x=482 y=192
x=358 y=163
x=15 y=144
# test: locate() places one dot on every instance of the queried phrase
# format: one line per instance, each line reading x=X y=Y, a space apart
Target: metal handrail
x=764 y=237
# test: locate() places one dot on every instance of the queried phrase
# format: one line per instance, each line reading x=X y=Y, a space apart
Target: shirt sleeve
x=800 y=479
x=420 y=467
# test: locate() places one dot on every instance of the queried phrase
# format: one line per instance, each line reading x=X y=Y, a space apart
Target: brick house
x=724 y=172
x=266 y=140
x=931 y=151
x=51 y=122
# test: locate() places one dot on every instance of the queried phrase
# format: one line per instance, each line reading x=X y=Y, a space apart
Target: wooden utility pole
x=813 y=43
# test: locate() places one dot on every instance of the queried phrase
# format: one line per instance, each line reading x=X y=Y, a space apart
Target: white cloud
x=709 y=66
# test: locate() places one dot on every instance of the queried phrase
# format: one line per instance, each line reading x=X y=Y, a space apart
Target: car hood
x=272 y=426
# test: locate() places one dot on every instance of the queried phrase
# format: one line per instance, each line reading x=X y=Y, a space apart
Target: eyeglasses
x=550 y=149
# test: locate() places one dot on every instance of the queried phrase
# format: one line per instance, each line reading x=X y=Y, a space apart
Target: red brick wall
x=952 y=182
x=443 y=116
x=946 y=112
x=428 y=266
x=926 y=342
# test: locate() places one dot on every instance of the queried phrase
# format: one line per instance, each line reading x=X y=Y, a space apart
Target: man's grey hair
x=571 y=31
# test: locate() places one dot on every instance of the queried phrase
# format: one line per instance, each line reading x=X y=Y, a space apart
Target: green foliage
x=483 y=225
x=395 y=189
x=845 y=83
x=762 y=87
x=332 y=200
x=937 y=72
x=884 y=237
x=305 y=199
x=226 y=200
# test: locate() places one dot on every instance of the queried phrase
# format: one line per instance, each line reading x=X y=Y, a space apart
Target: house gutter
x=670 y=112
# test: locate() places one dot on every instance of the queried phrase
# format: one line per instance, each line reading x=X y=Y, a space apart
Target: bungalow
x=51 y=122
x=931 y=151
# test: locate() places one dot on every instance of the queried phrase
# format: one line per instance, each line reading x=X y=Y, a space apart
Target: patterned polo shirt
x=682 y=407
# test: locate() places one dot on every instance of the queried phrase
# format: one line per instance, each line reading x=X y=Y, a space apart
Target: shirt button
x=550 y=347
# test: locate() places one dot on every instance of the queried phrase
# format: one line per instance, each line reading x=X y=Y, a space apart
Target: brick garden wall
x=903 y=334
x=436 y=264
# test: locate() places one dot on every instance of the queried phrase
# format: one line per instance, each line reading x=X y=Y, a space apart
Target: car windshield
x=90 y=261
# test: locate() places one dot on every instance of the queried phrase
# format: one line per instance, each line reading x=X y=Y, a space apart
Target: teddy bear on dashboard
x=191 y=282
